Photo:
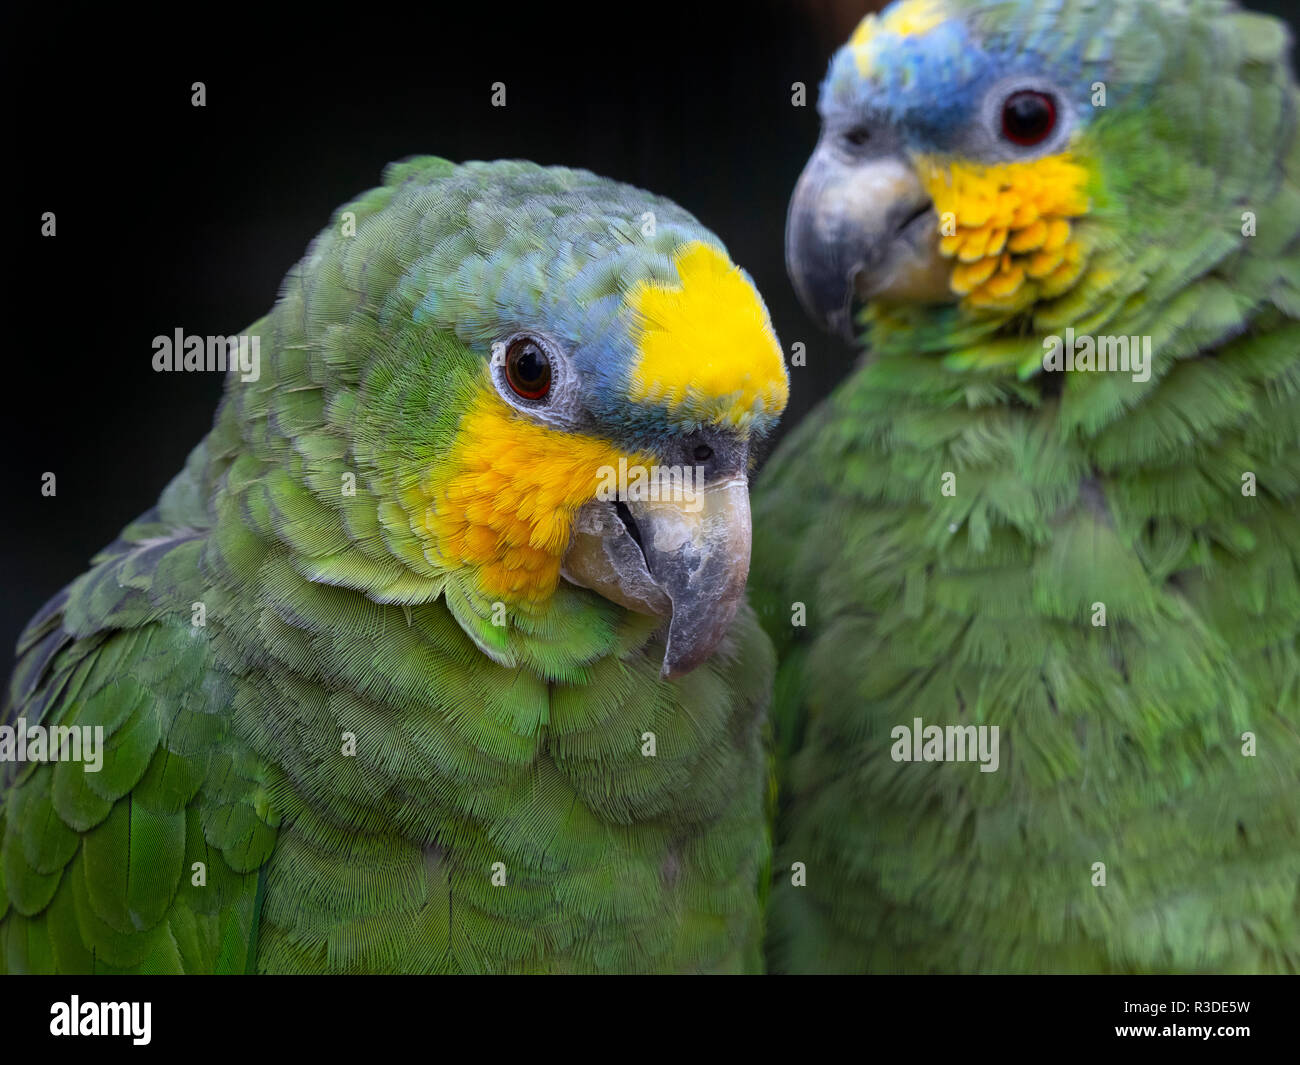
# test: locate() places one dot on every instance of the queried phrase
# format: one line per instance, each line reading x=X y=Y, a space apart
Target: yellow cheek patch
x=1007 y=227
x=911 y=18
x=503 y=503
x=705 y=348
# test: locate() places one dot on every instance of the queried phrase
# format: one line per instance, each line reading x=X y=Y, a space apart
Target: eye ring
x=1028 y=117
x=527 y=368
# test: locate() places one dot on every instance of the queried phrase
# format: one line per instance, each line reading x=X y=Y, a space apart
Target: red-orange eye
x=1028 y=117
x=528 y=368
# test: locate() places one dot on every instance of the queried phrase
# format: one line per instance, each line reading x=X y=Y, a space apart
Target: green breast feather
x=332 y=742
x=1097 y=561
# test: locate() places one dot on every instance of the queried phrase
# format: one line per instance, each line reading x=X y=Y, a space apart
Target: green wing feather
x=325 y=773
x=1125 y=743
x=101 y=867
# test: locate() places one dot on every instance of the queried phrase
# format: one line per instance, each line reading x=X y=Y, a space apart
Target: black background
x=175 y=216
x=889 y=1017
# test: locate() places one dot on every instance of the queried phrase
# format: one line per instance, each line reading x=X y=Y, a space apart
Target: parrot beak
x=684 y=558
x=861 y=226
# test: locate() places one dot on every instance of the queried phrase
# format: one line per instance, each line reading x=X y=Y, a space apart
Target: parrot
x=1033 y=567
x=398 y=676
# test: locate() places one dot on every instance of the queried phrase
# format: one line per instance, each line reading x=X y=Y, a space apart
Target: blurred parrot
x=387 y=680
x=1057 y=500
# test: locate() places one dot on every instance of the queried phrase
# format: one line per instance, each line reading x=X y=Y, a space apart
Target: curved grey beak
x=686 y=559
x=861 y=226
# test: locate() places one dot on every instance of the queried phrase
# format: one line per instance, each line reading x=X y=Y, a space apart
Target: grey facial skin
x=685 y=559
x=862 y=226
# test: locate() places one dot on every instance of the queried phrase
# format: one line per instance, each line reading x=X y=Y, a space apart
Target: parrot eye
x=856 y=136
x=528 y=368
x=1028 y=117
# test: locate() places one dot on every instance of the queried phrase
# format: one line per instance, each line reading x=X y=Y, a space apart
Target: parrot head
x=562 y=386
x=984 y=162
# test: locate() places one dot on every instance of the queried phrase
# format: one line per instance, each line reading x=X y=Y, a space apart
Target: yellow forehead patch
x=910 y=18
x=1007 y=227
x=705 y=348
x=503 y=503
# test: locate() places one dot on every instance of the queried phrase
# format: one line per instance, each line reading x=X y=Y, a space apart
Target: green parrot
x=435 y=656
x=1033 y=569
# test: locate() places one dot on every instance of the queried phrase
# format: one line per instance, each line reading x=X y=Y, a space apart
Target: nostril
x=703 y=453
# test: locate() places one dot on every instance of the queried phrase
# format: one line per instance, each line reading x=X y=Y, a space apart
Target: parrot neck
x=255 y=554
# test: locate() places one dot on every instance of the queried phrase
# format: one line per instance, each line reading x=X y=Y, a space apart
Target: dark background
x=174 y=216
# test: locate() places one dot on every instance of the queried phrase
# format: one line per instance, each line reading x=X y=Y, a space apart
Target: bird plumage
x=1098 y=583
x=355 y=718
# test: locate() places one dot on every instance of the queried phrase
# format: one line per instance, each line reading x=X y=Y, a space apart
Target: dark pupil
x=530 y=367
x=1027 y=117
